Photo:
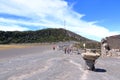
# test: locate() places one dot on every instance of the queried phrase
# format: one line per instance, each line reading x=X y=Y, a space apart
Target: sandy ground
x=5 y=47
x=16 y=46
x=16 y=50
x=43 y=63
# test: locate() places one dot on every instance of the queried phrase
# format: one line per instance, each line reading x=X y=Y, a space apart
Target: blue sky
x=106 y=12
x=94 y=19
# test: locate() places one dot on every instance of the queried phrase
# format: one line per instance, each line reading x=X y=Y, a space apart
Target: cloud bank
x=24 y=15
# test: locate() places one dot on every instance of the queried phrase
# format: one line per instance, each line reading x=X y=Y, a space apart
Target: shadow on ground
x=100 y=70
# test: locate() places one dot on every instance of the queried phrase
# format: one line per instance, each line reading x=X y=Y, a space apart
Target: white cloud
x=12 y=28
x=49 y=13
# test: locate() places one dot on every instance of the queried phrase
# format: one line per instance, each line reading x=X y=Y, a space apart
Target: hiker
x=68 y=50
x=65 y=50
x=54 y=47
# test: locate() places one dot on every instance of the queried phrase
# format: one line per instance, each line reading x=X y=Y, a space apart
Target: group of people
x=67 y=50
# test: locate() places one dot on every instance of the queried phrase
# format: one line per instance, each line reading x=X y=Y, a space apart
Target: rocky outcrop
x=114 y=41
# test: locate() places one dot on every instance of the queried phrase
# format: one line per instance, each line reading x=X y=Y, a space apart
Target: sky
x=93 y=19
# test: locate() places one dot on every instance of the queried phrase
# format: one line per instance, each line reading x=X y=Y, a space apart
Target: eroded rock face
x=105 y=48
x=114 y=41
x=110 y=46
x=90 y=64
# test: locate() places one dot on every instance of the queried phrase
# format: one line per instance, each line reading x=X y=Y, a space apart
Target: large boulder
x=90 y=56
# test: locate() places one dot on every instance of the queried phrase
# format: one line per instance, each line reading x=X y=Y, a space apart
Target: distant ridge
x=44 y=35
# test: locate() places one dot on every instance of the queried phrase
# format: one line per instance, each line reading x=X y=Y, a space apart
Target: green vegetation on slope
x=45 y=35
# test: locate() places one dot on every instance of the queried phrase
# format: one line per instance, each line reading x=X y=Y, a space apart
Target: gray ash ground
x=43 y=63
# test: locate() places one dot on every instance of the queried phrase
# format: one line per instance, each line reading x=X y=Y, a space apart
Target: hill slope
x=45 y=35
